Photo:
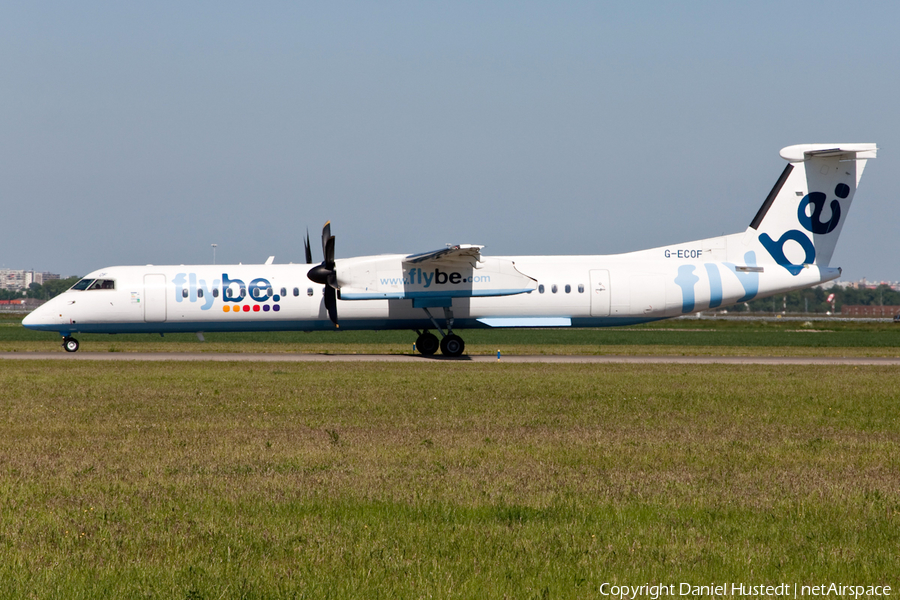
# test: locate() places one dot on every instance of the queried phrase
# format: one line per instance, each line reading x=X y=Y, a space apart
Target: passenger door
x=599 y=293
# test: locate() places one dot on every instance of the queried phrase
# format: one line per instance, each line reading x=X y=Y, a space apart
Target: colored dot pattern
x=246 y=308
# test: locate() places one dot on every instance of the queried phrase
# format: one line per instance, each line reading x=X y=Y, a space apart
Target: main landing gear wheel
x=70 y=344
x=427 y=344
x=452 y=345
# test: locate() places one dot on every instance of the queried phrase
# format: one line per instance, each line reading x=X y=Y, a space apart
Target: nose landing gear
x=70 y=344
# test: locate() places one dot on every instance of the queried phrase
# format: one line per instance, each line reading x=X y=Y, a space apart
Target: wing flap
x=451 y=252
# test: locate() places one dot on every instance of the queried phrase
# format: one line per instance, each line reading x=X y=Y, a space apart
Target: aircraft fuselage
x=788 y=245
x=577 y=291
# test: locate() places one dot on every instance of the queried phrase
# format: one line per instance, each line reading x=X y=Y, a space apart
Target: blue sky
x=142 y=133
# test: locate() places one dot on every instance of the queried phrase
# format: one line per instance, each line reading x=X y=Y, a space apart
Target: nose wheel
x=70 y=344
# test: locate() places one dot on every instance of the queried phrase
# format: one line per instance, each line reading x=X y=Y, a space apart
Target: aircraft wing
x=457 y=271
x=451 y=252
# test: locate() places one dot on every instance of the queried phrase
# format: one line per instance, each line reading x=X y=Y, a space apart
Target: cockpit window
x=103 y=284
x=95 y=284
x=83 y=284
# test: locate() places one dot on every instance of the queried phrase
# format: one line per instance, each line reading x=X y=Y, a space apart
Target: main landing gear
x=70 y=344
x=451 y=345
x=427 y=343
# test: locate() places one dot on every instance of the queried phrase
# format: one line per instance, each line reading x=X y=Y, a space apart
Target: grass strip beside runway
x=381 y=480
x=678 y=337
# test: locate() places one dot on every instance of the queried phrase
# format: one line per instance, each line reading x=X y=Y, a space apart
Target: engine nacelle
x=398 y=277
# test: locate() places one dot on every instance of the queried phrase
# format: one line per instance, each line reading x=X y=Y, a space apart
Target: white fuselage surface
x=788 y=245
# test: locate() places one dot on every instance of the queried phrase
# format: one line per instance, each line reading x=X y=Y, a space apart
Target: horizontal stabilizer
x=802 y=152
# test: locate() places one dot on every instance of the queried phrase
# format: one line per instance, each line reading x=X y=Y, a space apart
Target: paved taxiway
x=409 y=358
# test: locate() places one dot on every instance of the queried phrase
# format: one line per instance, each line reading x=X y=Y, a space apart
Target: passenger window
x=541 y=289
x=184 y=293
x=243 y=293
x=554 y=289
x=580 y=288
x=309 y=291
x=283 y=293
x=568 y=289
x=270 y=292
x=215 y=292
x=296 y=291
x=199 y=292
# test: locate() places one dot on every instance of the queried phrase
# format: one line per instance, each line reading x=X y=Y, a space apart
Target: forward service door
x=154 y=298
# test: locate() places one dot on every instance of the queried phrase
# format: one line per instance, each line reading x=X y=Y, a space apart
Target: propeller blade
x=331 y=303
x=323 y=273
x=329 y=253
x=326 y=233
x=307 y=248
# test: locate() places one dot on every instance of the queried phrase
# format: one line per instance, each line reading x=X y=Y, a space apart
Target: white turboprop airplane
x=788 y=246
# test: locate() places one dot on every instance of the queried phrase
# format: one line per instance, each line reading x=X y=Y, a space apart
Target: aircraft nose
x=38 y=317
x=31 y=318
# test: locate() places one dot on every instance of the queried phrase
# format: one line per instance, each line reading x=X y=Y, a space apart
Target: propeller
x=307 y=248
x=324 y=273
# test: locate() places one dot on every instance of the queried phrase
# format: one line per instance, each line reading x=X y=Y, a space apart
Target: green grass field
x=444 y=480
x=680 y=336
x=448 y=480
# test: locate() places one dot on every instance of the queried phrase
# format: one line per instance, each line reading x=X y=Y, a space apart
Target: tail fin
x=801 y=219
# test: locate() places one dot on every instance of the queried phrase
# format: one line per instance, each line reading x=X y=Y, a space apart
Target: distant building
x=859 y=285
x=18 y=279
x=858 y=310
x=13 y=279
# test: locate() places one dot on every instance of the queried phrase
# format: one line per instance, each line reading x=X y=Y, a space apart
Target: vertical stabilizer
x=801 y=219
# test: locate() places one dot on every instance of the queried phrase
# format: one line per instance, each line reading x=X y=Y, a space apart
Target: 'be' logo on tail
x=810 y=222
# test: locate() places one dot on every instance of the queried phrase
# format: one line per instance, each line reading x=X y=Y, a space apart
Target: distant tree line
x=814 y=300
x=45 y=291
